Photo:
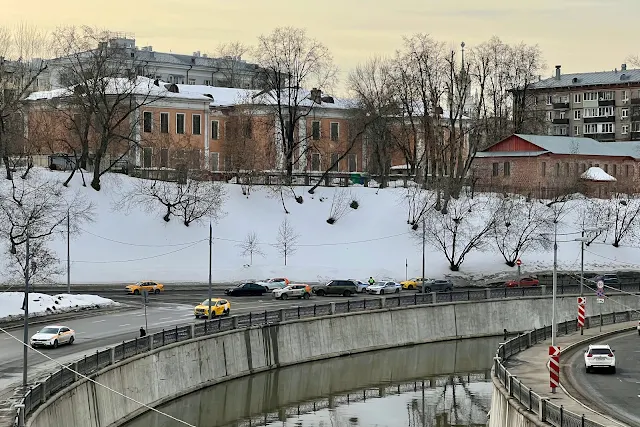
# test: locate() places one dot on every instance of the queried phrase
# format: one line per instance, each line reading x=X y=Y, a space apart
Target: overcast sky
x=581 y=35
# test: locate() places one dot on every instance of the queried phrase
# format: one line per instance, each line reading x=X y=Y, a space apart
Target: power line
x=611 y=259
x=68 y=368
x=138 y=244
x=320 y=244
x=140 y=259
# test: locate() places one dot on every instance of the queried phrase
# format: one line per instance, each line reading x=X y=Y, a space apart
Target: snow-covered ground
x=373 y=240
x=42 y=304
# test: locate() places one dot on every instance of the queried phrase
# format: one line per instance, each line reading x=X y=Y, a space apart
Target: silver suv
x=437 y=286
x=600 y=356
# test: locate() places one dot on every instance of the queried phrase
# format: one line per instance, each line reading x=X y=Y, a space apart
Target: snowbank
x=42 y=304
x=372 y=240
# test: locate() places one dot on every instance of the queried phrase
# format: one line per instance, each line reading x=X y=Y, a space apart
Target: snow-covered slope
x=42 y=305
x=373 y=240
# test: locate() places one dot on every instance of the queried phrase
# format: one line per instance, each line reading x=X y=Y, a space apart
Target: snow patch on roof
x=597 y=174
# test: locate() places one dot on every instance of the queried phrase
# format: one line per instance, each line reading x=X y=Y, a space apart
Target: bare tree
x=463 y=228
x=623 y=211
x=104 y=95
x=20 y=66
x=231 y=63
x=593 y=212
x=419 y=202
x=287 y=240
x=202 y=199
x=37 y=207
x=339 y=205
x=518 y=226
x=290 y=62
x=250 y=246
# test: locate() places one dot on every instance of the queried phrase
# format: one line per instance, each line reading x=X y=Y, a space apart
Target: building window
x=549 y=116
x=164 y=122
x=624 y=113
x=496 y=169
x=207 y=82
x=147 y=156
x=195 y=124
x=624 y=129
x=179 y=123
x=228 y=162
x=315 y=130
x=247 y=129
x=576 y=130
x=590 y=128
x=624 y=95
x=315 y=161
x=583 y=167
x=352 y=162
x=194 y=159
x=164 y=157
x=335 y=131
x=627 y=170
x=606 y=95
x=576 y=168
x=544 y=168
x=615 y=170
x=214 y=160
x=591 y=96
x=557 y=169
x=148 y=121
x=507 y=169
x=606 y=168
x=635 y=127
x=567 y=170
x=335 y=164
x=192 y=81
x=215 y=129
x=607 y=127
x=577 y=114
x=577 y=98
x=548 y=99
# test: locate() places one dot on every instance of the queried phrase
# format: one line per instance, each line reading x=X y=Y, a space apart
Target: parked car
x=275 y=283
x=293 y=291
x=336 y=287
x=53 y=336
x=525 y=281
x=414 y=283
x=361 y=287
x=638 y=327
x=381 y=288
x=219 y=307
x=145 y=285
x=245 y=289
x=441 y=285
x=600 y=356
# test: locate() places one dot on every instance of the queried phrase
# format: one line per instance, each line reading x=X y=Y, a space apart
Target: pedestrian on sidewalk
x=143 y=333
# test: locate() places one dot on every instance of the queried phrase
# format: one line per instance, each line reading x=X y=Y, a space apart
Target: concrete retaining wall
x=181 y=368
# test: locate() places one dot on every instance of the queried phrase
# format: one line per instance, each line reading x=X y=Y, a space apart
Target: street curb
x=571 y=347
x=80 y=314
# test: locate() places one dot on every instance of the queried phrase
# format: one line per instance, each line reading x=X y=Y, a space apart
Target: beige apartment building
x=604 y=106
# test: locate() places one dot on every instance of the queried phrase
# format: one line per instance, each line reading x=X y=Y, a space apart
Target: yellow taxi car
x=219 y=307
x=413 y=283
x=145 y=285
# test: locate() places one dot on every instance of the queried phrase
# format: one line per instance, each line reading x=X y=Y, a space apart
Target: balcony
x=606 y=102
x=635 y=136
x=603 y=137
x=599 y=119
x=560 y=105
x=635 y=99
x=564 y=121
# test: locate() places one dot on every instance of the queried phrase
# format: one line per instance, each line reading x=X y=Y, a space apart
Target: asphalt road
x=616 y=395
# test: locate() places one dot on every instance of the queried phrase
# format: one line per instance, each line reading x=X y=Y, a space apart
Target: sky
x=580 y=35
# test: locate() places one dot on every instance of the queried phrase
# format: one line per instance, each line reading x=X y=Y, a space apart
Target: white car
x=382 y=288
x=293 y=291
x=53 y=336
x=600 y=356
x=271 y=284
x=638 y=327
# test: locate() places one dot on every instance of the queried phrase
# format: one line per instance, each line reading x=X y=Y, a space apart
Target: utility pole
x=68 y=252
x=582 y=265
x=25 y=338
x=555 y=281
x=424 y=238
x=210 y=261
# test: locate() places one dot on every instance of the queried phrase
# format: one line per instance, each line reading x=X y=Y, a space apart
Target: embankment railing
x=546 y=410
x=37 y=394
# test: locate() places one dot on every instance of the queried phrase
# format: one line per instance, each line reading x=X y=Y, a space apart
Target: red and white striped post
x=582 y=303
x=554 y=367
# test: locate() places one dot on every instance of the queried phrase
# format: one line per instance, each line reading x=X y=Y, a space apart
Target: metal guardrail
x=38 y=394
x=549 y=412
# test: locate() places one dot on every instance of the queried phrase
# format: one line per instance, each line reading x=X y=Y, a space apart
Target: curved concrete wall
x=181 y=368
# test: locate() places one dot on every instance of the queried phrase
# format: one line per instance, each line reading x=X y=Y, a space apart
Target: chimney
x=624 y=67
x=558 y=67
x=316 y=95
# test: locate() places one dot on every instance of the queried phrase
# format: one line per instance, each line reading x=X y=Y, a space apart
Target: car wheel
x=227 y=312
x=613 y=370
x=397 y=291
x=411 y=287
x=381 y=291
x=55 y=344
x=136 y=292
x=157 y=291
x=320 y=293
x=587 y=369
x=306 y=296
x=71 y=340
x=448 y=290
x=347 y=293
x=285 y=296
x=427 y=290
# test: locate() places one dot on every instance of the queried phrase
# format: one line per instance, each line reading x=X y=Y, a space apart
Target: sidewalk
x=530 y=366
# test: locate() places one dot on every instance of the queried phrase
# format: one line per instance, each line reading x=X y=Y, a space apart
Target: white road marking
x=126 y=324
x=165 y=318
x=98 y=321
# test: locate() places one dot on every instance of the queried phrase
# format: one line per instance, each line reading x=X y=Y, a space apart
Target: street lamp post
x=210 y=262
x=424 y=238
x=555 y=282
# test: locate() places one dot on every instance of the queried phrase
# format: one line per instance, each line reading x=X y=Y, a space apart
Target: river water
x=429 y=385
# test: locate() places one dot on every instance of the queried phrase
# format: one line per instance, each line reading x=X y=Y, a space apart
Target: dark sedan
x=246 y=289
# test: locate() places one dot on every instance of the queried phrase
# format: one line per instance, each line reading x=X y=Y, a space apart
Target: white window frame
x=549 y=116
x=217 y=135
x=577 y=114
x=192 y=81
x=624 y=95
x=319 y=162
x=624 y=129
x=168 y=116
x=577 y=98
x=143 y=114
x=319 y=129
x=549 y=98
x=590 y=126
x=590 y=96
x=199 y=124
x=607 y=126
x=184 y=123
x=216 y=155
x=331 y=131
x=355 y=156
x=624 y=113
x=576 y=131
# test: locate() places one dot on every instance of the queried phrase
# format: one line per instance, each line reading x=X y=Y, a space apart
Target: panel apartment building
x=604 y=106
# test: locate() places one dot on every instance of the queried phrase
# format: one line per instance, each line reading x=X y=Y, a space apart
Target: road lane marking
x=98 y=321
x=126 y=324
x=165 y=318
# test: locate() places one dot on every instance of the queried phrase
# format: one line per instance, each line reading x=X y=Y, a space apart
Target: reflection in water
x=427 y=385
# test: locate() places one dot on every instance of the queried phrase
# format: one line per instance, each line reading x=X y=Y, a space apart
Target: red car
x=525 y=281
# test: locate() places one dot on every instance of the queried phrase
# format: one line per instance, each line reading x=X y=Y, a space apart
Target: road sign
x=554 y=367
x=600 y=300
x=600 y=284
x=582 y=301
x=518 y=262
